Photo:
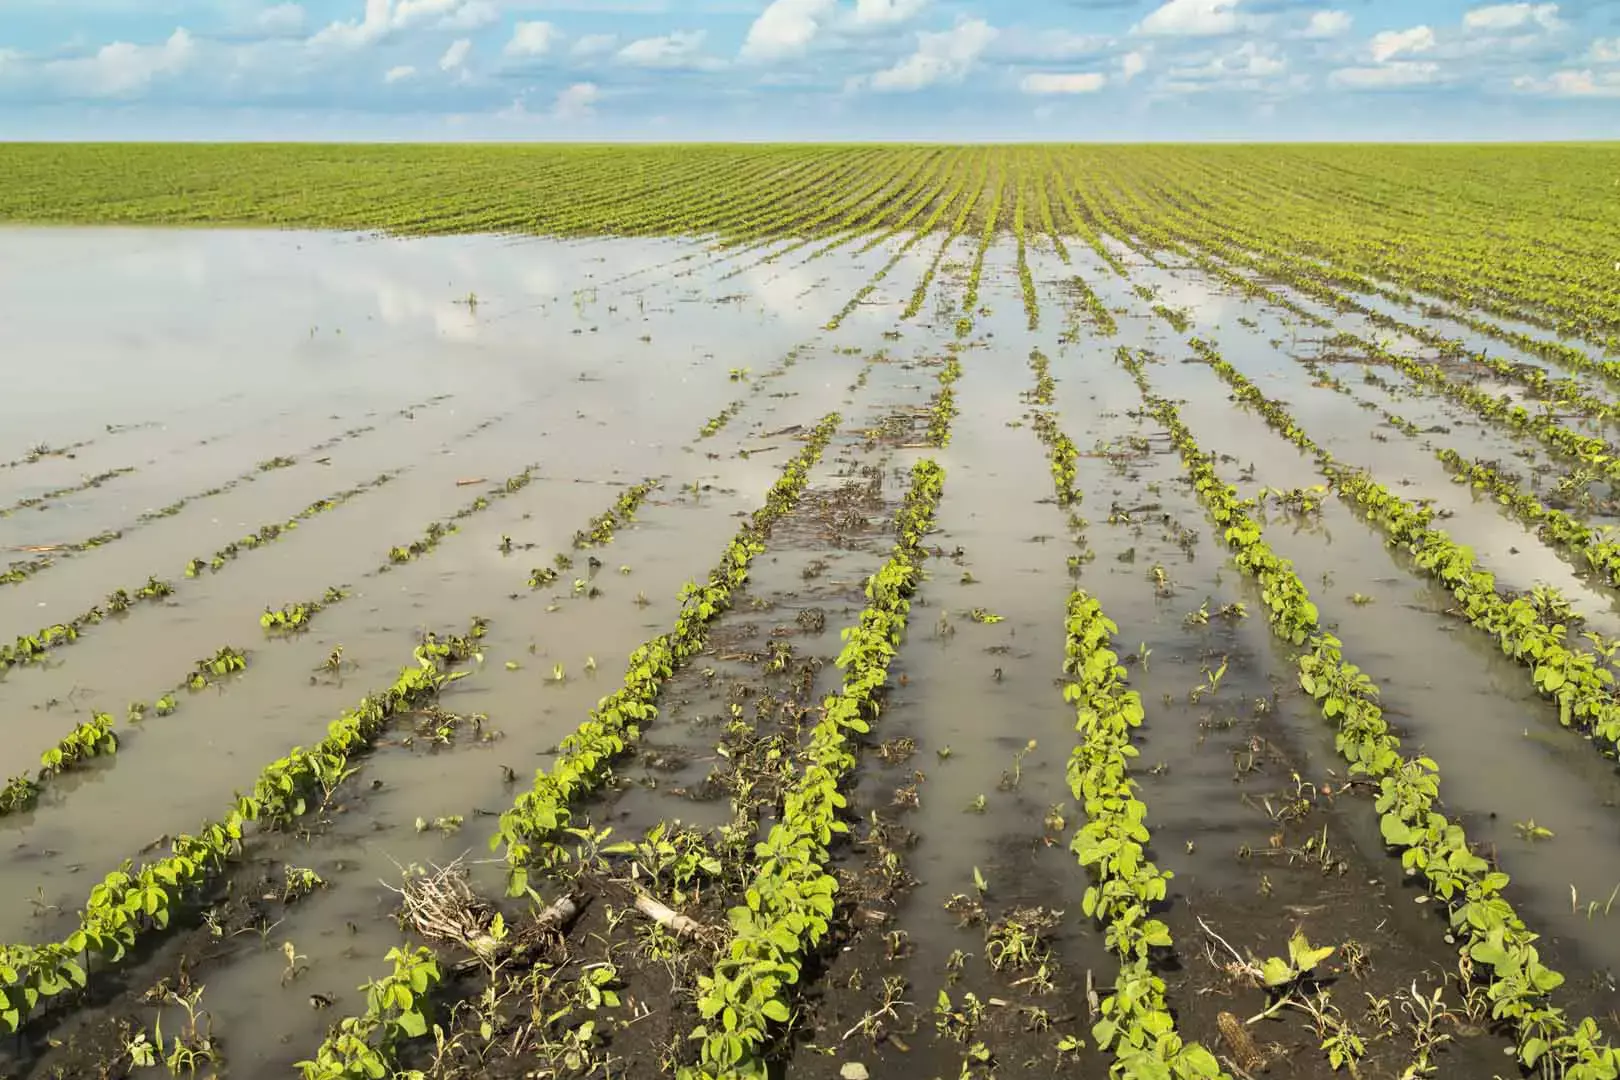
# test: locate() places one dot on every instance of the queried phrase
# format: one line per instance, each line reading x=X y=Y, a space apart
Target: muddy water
x=1424 y=701
x=551 y=353
x=532 y=713
x=1338 y=422
x=1457 y=675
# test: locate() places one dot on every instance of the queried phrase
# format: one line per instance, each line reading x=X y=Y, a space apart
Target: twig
x=670 y=919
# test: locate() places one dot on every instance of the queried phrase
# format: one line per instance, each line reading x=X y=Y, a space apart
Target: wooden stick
x=668 y=917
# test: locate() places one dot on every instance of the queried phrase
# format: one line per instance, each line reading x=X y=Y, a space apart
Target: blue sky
x=809 y=69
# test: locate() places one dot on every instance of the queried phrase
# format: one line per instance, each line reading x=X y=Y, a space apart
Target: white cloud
x=1251 y=67
x=456 y=55
x=1388 y=44
x=532 y=39
x=1606 y=50
x=398 y=73
x=1077 y=82
x=472 y=15
x=1131 y=65
x=120 y=69
x=886 y=12
x=1192 y=18
x=1513 y=17
x=786 y=27
x=1048 y=44
x=680 y=49
x=1390 y=76
x=945 y=56
x=383 y=17
x=1327 y=24
x=577 y=101
x=594 y=44
x=1572 y=84
x=281 y=19
x=1248 y=61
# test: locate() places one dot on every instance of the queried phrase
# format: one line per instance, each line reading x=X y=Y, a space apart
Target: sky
x=923 y=70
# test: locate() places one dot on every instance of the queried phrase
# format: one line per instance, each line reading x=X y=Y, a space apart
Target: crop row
x=72 y=489
x=1577 y=681
x=1136 y=1024
x=540 y=817
x=1488 y=930
x=788 y=907
x=1582 y=542
x=130 y=903
x=941 y=205
x=540 y=820
x=919 y=292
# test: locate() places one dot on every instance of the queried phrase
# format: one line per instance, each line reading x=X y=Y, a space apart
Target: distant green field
x=1524 y=231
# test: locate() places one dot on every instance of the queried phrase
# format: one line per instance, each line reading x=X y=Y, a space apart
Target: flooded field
x=937 y=651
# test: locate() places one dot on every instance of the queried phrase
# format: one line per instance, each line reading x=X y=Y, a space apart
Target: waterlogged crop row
x=274 y=531
x=33 y=648
x=919 y=292
x=788 y=907
x=531 y=830
x=130 y=903
x=1485 y=925
x=1580 y=684
x=600 y=530
x=437 y=531
x=943 y=409
x=1136 y=1023
x=363 y=1046
x=940 y=207
x=22 y=570
x=72 y=489
x=96 y=738
x=1552 y=525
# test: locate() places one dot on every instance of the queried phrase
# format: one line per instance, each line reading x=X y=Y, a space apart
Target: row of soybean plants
x=96 y=737
x=1490 y=932
x=537 y=827
x=131 y=902
x=1136 y=1024
x=1577 y=681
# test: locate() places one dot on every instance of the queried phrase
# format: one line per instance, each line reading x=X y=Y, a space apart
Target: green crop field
x=810 y=611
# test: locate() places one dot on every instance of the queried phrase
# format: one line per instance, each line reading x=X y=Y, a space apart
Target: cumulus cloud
x=680 y=49
x=1131 y=65
x=1395 y=75
x=121 y=69
x=281 y=19
x=1606 y=50
x=1388 y=44
x=1499 y=17
x=472 y=15
x=1572 y=84
x=456 y=55
x=1327 y=24
x=786 y=28
x=531 y=39
x=1047 y=44
x=1251 y=67
x=942 y=56
x=1249 y=60
x=1075 y=82
x=398 y=73
x=577 y=101
x=886 y=12
x=1192 y=18
x=384 y=17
